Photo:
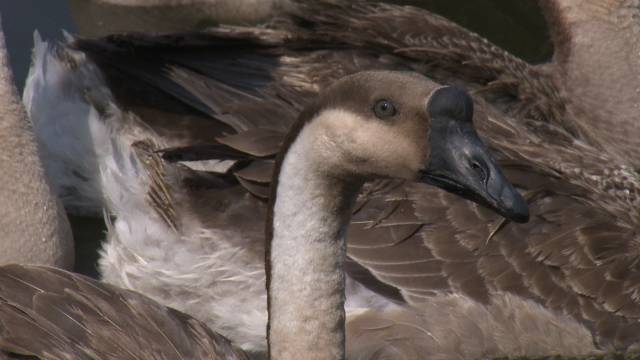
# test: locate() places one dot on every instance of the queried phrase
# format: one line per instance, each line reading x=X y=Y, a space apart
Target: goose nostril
x=479 y=170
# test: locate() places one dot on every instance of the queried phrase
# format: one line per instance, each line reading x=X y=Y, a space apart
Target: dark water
x=514 y=25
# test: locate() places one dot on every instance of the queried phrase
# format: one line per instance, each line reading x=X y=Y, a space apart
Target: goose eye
x=384 y=109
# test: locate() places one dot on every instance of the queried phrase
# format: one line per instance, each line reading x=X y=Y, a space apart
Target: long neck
x=306 y=290
x=34 y=226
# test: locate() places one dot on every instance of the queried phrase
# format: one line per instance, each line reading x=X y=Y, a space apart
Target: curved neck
x=32 y=222
x=310 y=215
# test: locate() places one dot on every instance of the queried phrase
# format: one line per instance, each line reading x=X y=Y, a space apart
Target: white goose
x=33 y=224
x=366 y=126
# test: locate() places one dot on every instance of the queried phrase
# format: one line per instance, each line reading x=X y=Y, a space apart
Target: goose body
x=318 y=174
x=35 y=228
x=567 y=277
x=594 y=73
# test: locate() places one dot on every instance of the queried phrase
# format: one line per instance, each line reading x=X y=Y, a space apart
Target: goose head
x=401 y=125
x=365 y=126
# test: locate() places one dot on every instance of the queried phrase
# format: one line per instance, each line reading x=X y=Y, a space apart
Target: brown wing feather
x=50 y=313
x=257 y=142
x=568 y=258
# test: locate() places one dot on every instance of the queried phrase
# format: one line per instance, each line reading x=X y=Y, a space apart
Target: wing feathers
x=73 y=317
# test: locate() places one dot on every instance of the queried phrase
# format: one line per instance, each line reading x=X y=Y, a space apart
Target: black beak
x=460 y=163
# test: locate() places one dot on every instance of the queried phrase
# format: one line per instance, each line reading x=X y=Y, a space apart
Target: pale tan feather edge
x=159 y=193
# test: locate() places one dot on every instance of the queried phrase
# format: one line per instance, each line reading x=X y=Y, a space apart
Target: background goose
x=318 y=174
x=103 y=17
x=34 y=225
x=603 y=77
x=569 y=274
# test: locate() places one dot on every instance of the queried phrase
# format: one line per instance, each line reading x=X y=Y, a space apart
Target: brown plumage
x=577 y=257
x=53 y=314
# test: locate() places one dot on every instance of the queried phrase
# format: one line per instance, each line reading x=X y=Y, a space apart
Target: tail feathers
x=84 y=137
x=66 y=99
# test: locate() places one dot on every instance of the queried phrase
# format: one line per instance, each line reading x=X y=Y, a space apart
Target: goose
x=330 y=152
x=34 y=226
x=567 y=277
